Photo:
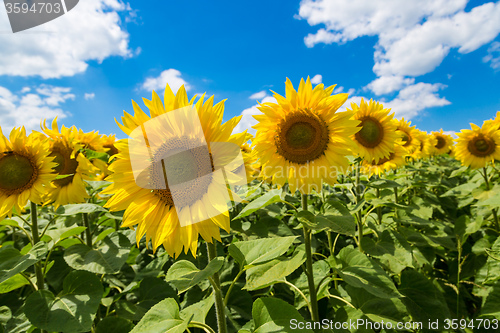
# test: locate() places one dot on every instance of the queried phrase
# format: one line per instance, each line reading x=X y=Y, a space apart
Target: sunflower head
x=302 y=139
x=478 y=146
x=408 y=135
x=443 y=142
x=426 y=145
x=395 y=160
x=179 y=191
x=377 y=135
x=25 y=170
x=71 y=164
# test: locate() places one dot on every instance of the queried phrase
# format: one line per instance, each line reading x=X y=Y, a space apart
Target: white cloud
x=89 y=96
x=170 y=76
x=258 y=95
x=317 y=79
x=452 y=133
x=415 y=98
x=414 y=36
x=63 y=47
x=493 y=56
x=29 y=109
x=387 y=84
x=247 y=121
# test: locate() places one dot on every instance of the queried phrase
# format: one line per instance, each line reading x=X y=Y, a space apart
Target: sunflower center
x=65 y=164
x=17 y=173
x=112 y=149
x=183 y=176
x=481 y=146
x=371 y=133
x=406 y=139
x=302 y=137
x=441 y=142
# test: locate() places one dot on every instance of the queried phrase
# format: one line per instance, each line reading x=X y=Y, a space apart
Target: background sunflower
x=478 y=146
x=302 y=138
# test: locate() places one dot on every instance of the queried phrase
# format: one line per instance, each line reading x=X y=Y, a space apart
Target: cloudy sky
x=436 y=62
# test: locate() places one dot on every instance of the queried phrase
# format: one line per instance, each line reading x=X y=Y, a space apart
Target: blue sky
x=436 y=62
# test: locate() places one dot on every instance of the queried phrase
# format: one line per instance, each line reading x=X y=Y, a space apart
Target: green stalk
x=494 y=211
x=309 y=267
x=359 y=214
x=88 y=234
x=459 y=247
x=379 y=209
x=36 y=238
x=219 y=300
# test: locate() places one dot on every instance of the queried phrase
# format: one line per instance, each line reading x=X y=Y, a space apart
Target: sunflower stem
x=36 y=238
x=494 y=211
x=379 y=209
x=358 y=200
x=86 y=224
x=219 y=300
x=309 y=267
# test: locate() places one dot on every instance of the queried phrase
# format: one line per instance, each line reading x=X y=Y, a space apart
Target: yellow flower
x=478 y=146
x=395 y=160
x=25 y=170
x=443 y=142
x=159 y=211
x=65 y=149
x=426 y=146
x=302 y=138
x=409 y=135
x=378 y=135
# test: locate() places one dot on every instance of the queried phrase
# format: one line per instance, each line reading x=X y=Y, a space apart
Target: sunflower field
x=349 y=221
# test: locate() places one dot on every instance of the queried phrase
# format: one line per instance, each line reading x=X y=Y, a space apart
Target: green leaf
x=63 y=233
x=92 y=155
x=73 y=310
x=153 y=290
x=114 y=325
x=274 y=315
x=264 y=275
x=344 y=225
x=270 y=197
x=391 y=249
x=198 y=311
x=383 y=183
x=184 y=274
x=13 y=283
x=5 y=314
x=422 y=300
x=321 y=270
x=79 y=208
x=491 y=306
x=162 y=318
x=362 y=272
x=260 y=250
x=107 y=258
x=13 y=262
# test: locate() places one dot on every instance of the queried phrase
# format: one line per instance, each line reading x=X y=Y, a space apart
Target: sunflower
x=409 y=135
x=443 y=142
x=377 y=134
x=478 y=146
x=25 y=170
x=302 y=138
x=395 y=160
x=71 y=164
x=249 y=159
x=166 y=212
x=425 y=148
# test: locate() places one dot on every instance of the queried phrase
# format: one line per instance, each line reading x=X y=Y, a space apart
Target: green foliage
x=433 y=254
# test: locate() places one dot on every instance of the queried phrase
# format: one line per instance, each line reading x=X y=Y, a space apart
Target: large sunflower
x=25 y=170
x=443 y=142
x=395 y=160
x=377 y=134
x=409 y=135
x=478 y=146
x=71 y=163
x=302 y=138
x=164 y=211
